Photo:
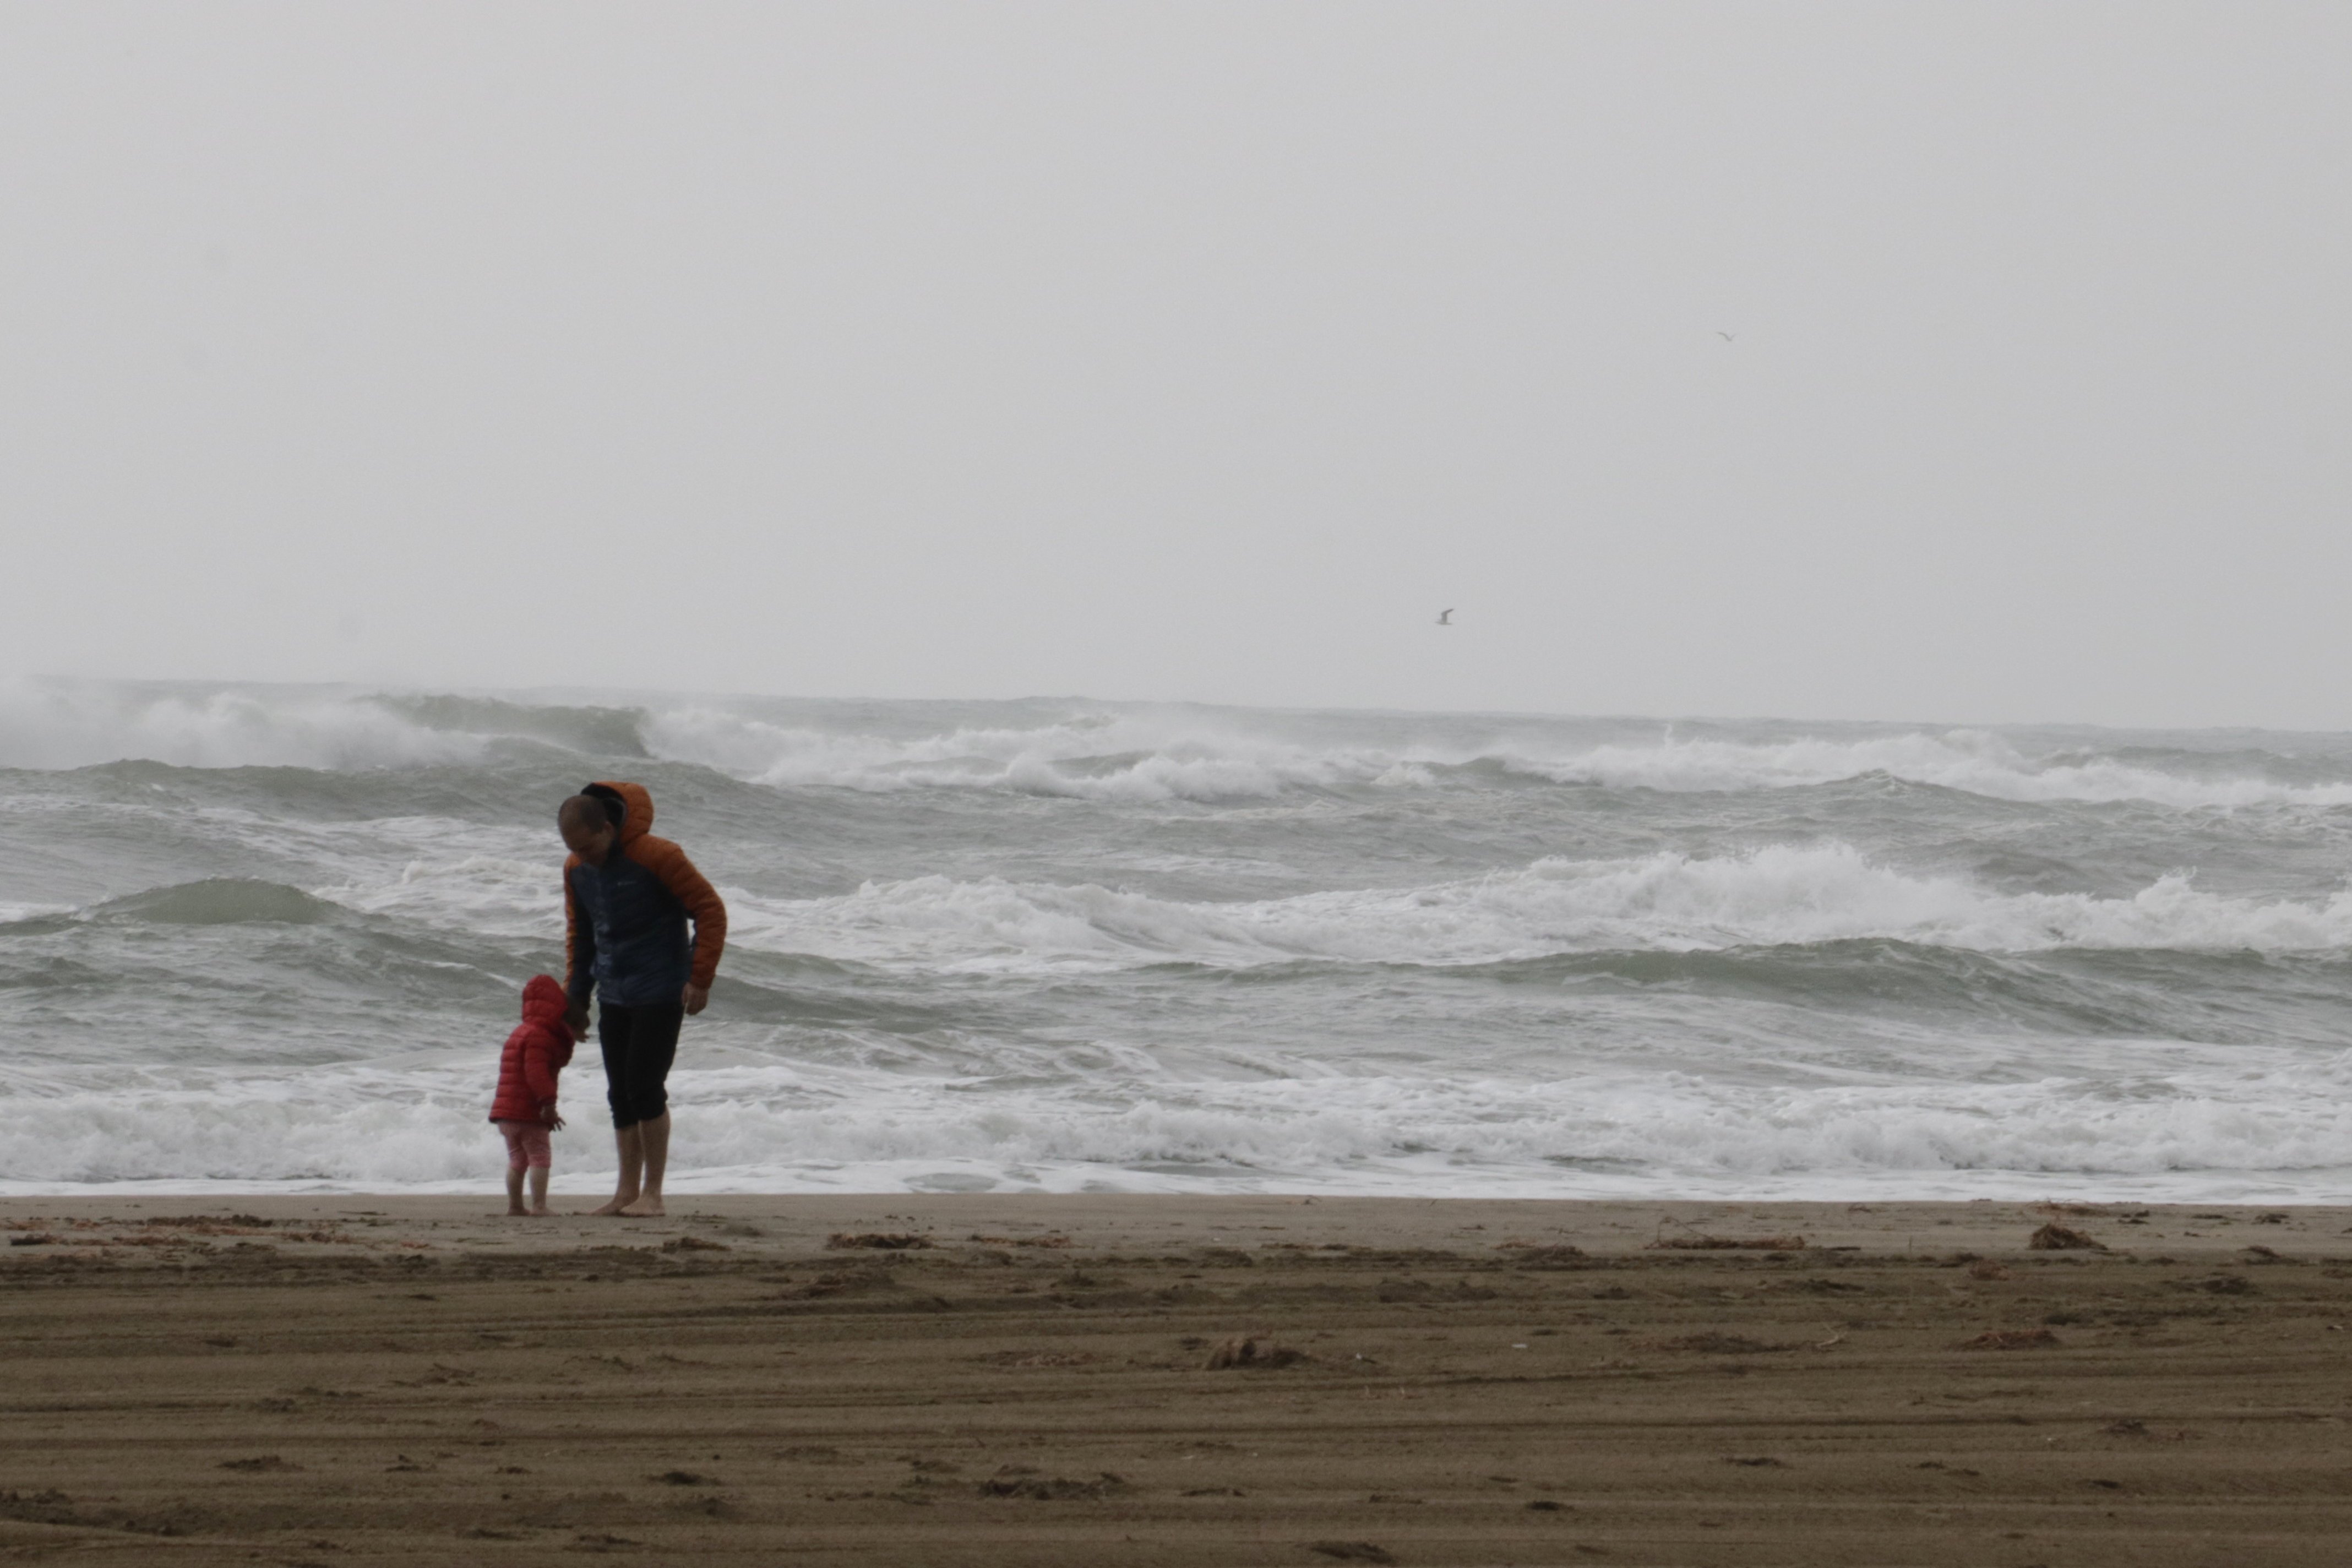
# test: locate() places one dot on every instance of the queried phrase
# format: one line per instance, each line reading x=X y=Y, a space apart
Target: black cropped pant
x=639 y=1045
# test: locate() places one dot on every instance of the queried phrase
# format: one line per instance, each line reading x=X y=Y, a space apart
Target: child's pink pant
x=527 y=1144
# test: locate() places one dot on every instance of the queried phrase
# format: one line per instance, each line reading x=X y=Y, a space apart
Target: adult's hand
x=696 y=997
x=575 y=1018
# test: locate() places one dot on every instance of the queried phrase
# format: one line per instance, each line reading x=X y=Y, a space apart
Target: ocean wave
x=56 y=724
x=1152 y=755
x=49 y=724
x=1783 y=896
x=1775 y=896
x=1121 y=753
x=221 y=901
x=593 y=730
x=1090 y=756
x=1974 y=762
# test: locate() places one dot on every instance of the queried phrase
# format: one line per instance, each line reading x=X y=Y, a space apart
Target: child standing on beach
x=524 y=1107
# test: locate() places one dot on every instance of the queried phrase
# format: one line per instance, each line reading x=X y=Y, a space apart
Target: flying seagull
x=1727 y=337
x=1444 y=617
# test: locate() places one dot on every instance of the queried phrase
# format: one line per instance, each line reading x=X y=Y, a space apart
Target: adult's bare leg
x=653 y=1138
x=630 y=1142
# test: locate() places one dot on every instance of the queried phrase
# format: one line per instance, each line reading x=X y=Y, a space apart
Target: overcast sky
x=1963 y=362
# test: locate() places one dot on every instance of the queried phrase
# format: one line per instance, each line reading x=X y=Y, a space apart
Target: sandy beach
x=1173 y=1380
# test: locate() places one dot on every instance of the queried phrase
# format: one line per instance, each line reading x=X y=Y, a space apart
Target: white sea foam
x=1664 y=903
x=1135 y=758
x=452 y=875
x=2283 y=1125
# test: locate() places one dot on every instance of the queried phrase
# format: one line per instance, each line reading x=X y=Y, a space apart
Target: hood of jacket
x=545 y=1003
x=636 y=806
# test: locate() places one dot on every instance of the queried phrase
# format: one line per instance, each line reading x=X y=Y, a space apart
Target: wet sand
x=351 y=1379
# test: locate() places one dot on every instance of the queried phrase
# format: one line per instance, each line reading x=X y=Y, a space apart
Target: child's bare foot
x=645 y=1208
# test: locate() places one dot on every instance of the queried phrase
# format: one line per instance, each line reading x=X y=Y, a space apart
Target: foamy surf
x=1778 y=896
x=2279 y=1128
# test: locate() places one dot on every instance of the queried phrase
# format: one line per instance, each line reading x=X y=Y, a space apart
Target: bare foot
x=645 y=1208
x=516 y=1211
x=541 y=1212
x=619 y=1206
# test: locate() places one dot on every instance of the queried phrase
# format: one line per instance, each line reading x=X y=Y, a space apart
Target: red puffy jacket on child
x=537 y=1051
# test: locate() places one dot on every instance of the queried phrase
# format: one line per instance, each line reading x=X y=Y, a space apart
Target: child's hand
x=547 y=1114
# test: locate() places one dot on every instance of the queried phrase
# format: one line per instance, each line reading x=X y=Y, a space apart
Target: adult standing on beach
x=627 y=896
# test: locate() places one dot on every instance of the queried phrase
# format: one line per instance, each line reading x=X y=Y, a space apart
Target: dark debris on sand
x=2012 y=1340
x=1253 y=1350
x=2056 y=1237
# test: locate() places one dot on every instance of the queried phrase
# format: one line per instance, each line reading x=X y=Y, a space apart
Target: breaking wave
x=1974 y=762
x=1156 y=756
x=1131 y=753
x=1667 y=901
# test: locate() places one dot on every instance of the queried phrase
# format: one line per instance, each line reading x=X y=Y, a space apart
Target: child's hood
x=545 y=1003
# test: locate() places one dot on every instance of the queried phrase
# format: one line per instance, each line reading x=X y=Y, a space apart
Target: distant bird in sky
x=1444 y=617
x=1727 y=337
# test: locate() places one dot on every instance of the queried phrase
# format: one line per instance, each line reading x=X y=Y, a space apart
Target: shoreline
x=593 y=1183
x=796 y=1221
x=1047 y=1382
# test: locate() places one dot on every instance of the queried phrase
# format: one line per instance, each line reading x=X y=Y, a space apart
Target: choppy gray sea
x=271 y=937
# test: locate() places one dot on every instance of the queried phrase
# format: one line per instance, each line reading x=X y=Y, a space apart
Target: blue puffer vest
x=637 y=928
